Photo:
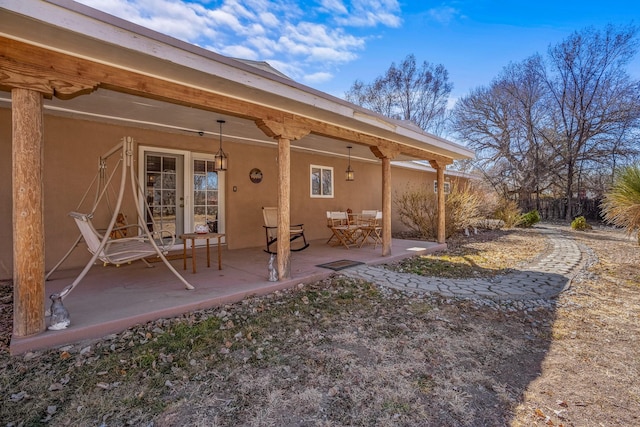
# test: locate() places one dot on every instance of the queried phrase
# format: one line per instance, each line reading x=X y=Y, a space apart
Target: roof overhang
x=95 y=46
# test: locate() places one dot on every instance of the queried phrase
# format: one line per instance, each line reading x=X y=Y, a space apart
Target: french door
x=182 y=190
x=164 y=174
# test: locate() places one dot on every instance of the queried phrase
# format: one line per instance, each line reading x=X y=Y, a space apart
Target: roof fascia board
x=416 y=165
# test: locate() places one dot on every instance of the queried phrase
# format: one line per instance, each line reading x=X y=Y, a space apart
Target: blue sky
x=328 y=44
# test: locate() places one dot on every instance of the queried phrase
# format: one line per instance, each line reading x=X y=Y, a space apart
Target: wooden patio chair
x=342 y=230
x=366 y=216
x=296 y=231
x=372 y=229
x=121 y=250
x=334 y=221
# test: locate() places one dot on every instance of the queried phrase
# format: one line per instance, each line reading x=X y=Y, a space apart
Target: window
x=447 y=187
x=183 y=190
x=321 y=181
x=161 y=172
x=205 y=194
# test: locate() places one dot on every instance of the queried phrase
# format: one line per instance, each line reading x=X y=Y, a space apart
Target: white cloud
x=303 y=41
x=221 y=17
x=287 y=68
x=370 y=13
x=333 y=6
x=266 y=47
x=269 y=19
x=238 y=51
x=319 y=77
x=444 y=14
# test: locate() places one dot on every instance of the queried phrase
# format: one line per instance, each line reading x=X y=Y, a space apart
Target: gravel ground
x=343 y=352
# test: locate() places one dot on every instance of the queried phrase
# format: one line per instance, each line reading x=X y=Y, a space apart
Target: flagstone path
x=544 y=278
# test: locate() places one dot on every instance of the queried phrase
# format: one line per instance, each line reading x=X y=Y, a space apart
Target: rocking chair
x=296 y=231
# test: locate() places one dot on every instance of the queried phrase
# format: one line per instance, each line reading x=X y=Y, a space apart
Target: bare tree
x=592 y=95
x=502 y=122
x=523 y=84
x=407 y=92
x=551 y=125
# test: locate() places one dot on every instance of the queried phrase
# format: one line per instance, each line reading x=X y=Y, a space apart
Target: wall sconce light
x=349 y=172
x=220 y=159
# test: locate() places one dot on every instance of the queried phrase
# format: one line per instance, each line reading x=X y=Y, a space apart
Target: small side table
x=193 y=237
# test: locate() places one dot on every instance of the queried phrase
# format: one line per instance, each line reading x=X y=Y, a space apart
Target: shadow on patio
x=111 y=299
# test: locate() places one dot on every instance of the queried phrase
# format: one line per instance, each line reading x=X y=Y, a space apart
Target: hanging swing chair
x=107 y=245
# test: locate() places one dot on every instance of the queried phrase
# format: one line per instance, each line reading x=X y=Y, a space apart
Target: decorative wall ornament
x=255 y=175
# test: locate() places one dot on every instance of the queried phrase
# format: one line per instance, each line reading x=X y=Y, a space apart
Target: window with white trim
x=205 y=194
x=447 y=187
x=321 y=181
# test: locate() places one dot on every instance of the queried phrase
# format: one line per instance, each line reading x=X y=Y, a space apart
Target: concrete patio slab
x=111 y=299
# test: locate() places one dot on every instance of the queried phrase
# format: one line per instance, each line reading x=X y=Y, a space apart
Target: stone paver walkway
x=544 y=278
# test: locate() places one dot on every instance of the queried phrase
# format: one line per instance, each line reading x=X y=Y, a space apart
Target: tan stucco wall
x=401 y=180
x=6 y=221
x=71 y=152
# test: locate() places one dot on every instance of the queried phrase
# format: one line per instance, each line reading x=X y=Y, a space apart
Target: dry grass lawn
x=346 y=353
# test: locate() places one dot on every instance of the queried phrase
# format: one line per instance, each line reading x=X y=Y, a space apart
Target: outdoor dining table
x=344 y=228
x=355 y=229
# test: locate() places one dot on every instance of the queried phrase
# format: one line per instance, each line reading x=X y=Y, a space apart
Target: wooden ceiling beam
x=17 y=76
x=83 y=75
x=348 y=135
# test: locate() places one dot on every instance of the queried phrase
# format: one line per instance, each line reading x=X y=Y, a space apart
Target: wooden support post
x=441 y=202
x=386 y=206
x=284 y=131
x=28 y=217
x=284 y=208
x=386 y=152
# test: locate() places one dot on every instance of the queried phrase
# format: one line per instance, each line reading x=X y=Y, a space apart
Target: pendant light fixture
x=220 y=159
x=349 y=172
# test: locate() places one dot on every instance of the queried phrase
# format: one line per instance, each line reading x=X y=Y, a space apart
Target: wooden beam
x=437 y=164
x=284 y=208
x=28 y=218
x=386 y=150
x=441 y=205
x=13 y=75
x=35 y=59
x=284 y=132
x=288 y=129
x=386 y=206
x=127 y=81
x=343 y=134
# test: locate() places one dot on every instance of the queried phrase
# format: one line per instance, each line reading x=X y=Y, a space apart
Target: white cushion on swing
x=115 y=251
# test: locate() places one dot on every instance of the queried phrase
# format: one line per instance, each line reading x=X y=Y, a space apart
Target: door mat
x=340 y=265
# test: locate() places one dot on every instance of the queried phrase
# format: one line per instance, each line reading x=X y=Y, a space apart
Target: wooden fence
x=556 y=209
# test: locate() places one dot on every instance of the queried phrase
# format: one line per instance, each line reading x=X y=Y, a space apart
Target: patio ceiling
x=118 y=108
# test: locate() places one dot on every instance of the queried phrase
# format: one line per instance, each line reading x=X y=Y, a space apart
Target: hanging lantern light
x=349 y=172
x=220 y=159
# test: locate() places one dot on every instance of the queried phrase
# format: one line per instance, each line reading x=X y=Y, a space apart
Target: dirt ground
x=343 y=352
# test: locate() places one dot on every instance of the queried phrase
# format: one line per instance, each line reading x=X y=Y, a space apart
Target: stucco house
x=74 y=81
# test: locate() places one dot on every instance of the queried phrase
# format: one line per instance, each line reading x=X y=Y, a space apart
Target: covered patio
x=111 y=299
x=75 y=80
